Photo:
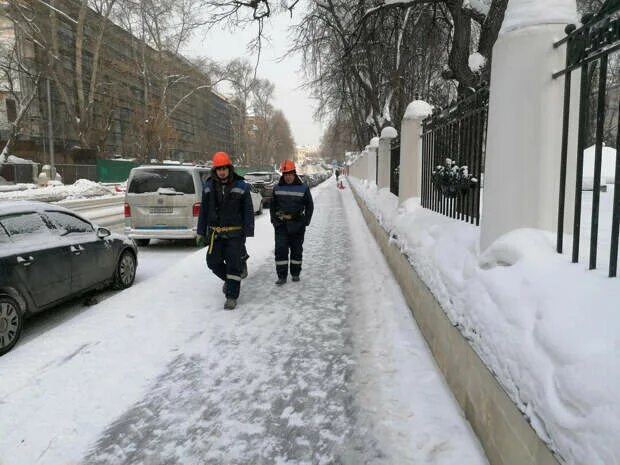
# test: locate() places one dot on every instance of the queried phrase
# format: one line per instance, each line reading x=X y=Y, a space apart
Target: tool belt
x=217 y=230
x=289 y=216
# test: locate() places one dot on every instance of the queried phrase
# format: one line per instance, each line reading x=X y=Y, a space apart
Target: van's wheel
x=125 y=271
x=11 y=323
x=142 y=242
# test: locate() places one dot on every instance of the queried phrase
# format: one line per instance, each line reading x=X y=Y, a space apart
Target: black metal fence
x=19 y=172
x=589 y=49
x=394 y=166
x=71 y=173
x=457 y=133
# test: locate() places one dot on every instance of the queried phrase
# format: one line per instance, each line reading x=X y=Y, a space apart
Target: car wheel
x=125 y=271
x=142 y=242
x=11 y=322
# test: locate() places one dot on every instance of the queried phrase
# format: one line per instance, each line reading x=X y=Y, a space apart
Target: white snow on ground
x=82 y=188
x=318 y=372
x=401 y=388
x=524 y=13
x=549 y=330
x=608 y=165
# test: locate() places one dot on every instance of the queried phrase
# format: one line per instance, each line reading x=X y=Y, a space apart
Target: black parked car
x=49 y=254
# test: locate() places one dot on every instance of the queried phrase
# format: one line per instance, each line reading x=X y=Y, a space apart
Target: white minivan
x=163 y=202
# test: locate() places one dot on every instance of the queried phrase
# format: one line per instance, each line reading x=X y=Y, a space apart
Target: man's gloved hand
x=201 y=241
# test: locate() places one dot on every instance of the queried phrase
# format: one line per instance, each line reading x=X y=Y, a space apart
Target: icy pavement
x=330 y=370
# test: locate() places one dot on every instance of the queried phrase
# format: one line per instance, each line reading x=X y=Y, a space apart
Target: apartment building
x=147 y=103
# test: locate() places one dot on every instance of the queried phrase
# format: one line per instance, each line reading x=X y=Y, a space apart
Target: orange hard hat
x=287 y=166
x=221 y=159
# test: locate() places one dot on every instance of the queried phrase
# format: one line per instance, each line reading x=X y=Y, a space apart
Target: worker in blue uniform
x=291 y=212
x=226 y=219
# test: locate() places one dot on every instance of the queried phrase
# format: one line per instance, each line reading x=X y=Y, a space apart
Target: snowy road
x=330 y=370
x=152 y=260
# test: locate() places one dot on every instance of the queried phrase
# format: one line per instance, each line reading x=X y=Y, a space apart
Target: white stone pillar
x=372 y=159
x=362 y=165
x=522 y=169
x=410 y=172
x=385 y=156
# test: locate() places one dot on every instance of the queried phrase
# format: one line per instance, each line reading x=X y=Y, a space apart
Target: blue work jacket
x=226 y=205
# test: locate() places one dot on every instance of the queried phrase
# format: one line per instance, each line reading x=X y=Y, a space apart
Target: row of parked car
x=49 y=254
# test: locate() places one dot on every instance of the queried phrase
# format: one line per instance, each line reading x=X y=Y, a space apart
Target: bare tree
x=367 y=68
x=69 y=38
x=162 y=28
x=20 y=84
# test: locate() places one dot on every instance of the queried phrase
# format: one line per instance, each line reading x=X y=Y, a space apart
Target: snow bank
x=83 y=188
x=549 y=330
x=608 y=166
x=19 y=161
x=374 y=142
x=523 y=13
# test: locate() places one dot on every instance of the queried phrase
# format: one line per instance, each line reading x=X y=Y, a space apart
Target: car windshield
x=151 y=180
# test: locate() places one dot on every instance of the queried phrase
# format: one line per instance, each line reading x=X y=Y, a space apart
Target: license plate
x=160 y=210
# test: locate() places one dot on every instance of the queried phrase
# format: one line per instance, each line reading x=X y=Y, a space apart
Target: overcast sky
x=222 y=45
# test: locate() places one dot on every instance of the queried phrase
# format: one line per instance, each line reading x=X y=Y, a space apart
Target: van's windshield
x=150 y=180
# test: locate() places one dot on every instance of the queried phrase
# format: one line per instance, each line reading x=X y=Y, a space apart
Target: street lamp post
x=50 y=130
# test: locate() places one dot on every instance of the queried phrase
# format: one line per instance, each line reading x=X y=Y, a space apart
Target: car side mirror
x=103 y=232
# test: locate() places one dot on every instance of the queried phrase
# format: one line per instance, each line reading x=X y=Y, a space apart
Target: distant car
x=163 y=202
x=263 y=182
x=49 y=254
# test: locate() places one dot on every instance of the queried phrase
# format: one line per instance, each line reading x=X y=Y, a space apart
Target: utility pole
x=50 y=130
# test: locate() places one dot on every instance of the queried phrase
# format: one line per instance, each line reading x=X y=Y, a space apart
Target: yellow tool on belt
x=219 y=230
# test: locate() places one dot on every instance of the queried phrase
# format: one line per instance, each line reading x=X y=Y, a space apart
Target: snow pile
x=83 y=188
x=608 y=165
x=549 y=330
x=523 y=13
x=418 y=110
x=374 y=142
x=389 y=132
x=476 y=62
x=19 y=161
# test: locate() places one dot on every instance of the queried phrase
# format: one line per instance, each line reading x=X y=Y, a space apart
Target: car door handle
x=26 y=261
x=76 y=249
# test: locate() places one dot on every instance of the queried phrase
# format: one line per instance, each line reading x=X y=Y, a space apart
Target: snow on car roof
x=18 y=206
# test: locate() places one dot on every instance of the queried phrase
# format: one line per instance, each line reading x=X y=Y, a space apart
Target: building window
x=11 y=110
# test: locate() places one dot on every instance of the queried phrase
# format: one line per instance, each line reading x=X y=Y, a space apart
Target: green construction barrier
x=114 y=170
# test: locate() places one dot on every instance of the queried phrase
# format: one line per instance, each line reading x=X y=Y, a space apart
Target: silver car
x=163 y=202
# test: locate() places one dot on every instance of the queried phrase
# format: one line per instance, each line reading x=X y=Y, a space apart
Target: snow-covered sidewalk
x=330 y=370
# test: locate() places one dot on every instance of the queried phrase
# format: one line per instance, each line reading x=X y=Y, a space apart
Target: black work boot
x=281 y=280
x=295 y=278
x=225 y=287
x=230 y=303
